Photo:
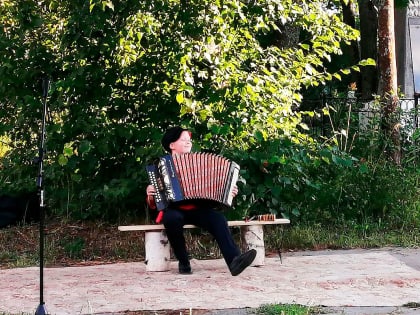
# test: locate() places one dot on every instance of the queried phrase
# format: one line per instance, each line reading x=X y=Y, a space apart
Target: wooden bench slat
x=157 y=227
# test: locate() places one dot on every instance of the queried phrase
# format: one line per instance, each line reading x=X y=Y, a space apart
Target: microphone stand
x=41 y=310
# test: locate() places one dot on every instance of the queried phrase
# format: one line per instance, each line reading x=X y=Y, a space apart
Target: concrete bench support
x=157 y=246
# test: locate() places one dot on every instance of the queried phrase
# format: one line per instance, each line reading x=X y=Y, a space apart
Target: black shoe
x=184 y=268
x=242 y=261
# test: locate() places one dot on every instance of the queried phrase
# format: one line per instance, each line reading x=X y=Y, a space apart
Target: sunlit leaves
x=137 y=38
x=122 y=72
x=101 y=4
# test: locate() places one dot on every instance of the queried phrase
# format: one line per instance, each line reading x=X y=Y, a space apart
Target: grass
x=68 y=243
x=318 y=237
x=285 y=309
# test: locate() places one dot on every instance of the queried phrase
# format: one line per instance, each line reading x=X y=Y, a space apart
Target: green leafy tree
x=122 y=71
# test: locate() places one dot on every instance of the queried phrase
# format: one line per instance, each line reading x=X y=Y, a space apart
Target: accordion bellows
x=193 y=176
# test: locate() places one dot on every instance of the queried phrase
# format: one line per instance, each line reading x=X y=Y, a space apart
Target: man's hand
x=234 y=191
x=150 y=190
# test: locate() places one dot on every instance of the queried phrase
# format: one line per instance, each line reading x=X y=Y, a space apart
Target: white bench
x=157 y=249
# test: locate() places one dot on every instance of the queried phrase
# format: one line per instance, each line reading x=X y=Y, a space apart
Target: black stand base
x=41 y=310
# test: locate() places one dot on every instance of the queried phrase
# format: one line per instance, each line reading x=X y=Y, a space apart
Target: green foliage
x=399 y=4
x=123 y=71
x=346 y=236
x=283 y=309
x=289 y=180
x=330 y=187
x=348 y=178
x=73 y=248
x=370 y=188
x=4 y=146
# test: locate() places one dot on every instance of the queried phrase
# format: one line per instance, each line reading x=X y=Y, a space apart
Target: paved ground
x=379 y=281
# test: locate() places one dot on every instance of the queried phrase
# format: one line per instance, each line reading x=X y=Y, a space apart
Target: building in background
x=407 y=44
x=407 y=35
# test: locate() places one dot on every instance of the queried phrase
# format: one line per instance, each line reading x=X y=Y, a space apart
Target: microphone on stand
x=41 y=310
x=45 y=87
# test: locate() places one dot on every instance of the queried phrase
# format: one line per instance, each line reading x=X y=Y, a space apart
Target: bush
x=325 y=185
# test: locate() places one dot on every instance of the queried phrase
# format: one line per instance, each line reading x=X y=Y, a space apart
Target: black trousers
x=208 y=219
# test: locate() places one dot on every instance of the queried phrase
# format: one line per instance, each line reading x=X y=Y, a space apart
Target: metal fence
x=357 y=115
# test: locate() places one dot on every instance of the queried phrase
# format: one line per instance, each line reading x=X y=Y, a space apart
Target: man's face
x=183 y=144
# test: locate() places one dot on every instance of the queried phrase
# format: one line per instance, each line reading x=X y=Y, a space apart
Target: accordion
x=193 y=176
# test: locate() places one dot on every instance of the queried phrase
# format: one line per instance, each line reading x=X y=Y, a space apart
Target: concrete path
x=368 y=279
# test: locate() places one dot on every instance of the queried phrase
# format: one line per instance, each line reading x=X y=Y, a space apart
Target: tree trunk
x=368 y=47
x=388 y=86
